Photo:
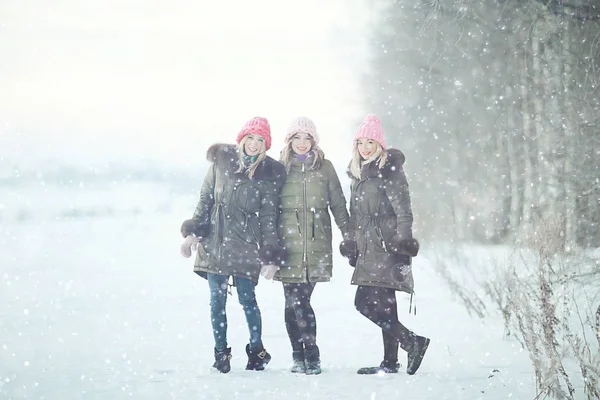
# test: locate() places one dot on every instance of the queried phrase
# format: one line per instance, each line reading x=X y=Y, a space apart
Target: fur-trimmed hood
x=225 y=157
x=393 y=163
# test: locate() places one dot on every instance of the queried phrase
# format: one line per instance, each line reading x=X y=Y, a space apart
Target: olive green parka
x=307 y=196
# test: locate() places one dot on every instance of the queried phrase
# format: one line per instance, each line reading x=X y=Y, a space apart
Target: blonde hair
x=357 y=161
x=252 y=167
x=287 y=154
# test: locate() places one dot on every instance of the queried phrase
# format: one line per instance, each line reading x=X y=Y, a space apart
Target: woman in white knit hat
x=311 y=189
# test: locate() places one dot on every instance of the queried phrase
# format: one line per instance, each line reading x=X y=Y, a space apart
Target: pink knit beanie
x=371 y=129
x=256 y=126
x=302 y=124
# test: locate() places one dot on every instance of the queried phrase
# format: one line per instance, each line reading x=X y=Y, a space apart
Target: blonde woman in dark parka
x=234 y=228
x=310 y=191
x=383 y=246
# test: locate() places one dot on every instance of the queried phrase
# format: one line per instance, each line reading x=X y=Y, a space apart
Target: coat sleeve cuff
x=272 y=255
x=409 y=247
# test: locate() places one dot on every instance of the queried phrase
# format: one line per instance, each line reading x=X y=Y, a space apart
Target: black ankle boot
x=312 y=359
x=299 y=367
x=223 y=360
x=386 y=367
x=416 y=354
x=257 y=358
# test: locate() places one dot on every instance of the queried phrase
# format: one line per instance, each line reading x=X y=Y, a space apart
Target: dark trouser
x=299 y=316
x=218 y=315
x=379 y=305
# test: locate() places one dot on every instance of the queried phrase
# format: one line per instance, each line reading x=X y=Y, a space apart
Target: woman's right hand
x=349 y=248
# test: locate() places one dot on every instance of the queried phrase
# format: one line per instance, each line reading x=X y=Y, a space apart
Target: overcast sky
x=153 y=79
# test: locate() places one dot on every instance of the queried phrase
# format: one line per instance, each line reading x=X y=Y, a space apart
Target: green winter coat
x=304 y=223
x=237 y=216
x=381 y=211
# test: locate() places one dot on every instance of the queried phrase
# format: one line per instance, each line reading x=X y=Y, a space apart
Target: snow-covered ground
x=105 y=308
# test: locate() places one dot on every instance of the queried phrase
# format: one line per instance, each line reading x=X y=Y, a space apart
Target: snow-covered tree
x=496 y=106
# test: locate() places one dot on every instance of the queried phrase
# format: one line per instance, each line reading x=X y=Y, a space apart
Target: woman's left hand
x=268 y=271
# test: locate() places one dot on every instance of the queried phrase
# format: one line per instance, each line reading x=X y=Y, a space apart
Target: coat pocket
x=298 y=222
x=202 y=259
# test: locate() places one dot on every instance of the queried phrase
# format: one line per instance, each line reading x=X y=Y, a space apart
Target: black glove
x=188 y=227
x=352 y=261
x=349 y=248
x=409 y=247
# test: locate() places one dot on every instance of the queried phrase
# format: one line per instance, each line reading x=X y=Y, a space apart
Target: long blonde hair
x=357 y=161
x=252 y=167
x=287 y=155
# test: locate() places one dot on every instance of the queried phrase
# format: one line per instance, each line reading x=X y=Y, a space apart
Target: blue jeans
x=218 y=314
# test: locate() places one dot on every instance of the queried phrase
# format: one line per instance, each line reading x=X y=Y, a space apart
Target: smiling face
x=301 y=143
x=366 y=147
x=254 y=145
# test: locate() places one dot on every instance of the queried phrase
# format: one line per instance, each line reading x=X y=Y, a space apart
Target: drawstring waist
x=221 y=216
x=374 y=221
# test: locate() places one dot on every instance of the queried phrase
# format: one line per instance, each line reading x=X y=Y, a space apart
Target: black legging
x=299 y=316
x=379 y=305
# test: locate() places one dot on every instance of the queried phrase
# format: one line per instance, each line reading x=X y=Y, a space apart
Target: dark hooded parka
x=381 y=212
x=236 y=216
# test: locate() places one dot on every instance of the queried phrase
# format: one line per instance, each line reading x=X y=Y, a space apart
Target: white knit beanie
x=302 y=124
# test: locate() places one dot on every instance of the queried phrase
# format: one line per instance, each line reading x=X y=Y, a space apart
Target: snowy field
x=104 y=307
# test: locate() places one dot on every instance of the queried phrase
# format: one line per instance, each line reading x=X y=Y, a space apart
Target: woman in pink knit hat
x=310 y=191
x=381 y=245
x=234 y=229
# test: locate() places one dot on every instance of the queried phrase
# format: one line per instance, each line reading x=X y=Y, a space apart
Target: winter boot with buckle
x=257 y=358
x=312 y=359
x=386 y=367
x=416 y=354
x=223 y=360
x=299 y=366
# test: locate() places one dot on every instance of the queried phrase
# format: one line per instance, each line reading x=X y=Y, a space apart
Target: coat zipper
x=304 y=208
